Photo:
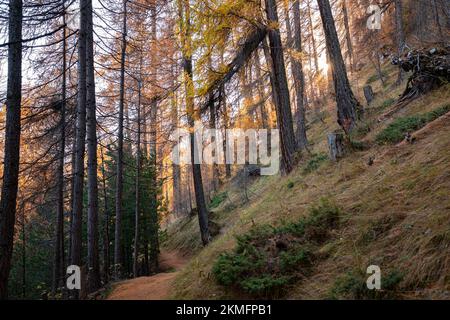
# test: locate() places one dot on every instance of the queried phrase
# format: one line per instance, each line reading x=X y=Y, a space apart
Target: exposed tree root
x=431 y=69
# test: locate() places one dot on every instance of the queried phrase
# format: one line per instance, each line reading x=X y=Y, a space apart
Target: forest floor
x=156 y=287
x=395 y=211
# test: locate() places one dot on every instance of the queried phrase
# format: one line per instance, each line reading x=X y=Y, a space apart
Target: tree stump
x=336 y=145
x=368 y=93
x=214 y=228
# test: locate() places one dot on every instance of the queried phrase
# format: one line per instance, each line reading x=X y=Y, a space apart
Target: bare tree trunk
x=58 y=262
x=283 y=105
x=138 y=185
x=154 y=241
x=94 y=281
x=184 y=10
x=213 y=125
x=106 y=222
x=261 y=91
x=72 y=196
x=226 y=125
x=78 y=182
x=118 y=250
x=400 y=35
x=268 y=59
x=313 y=42
x=24 y=255
x=176 y=172
x=347 y=105
x=375 y=59
x=12 y=144
x=299 y=80
x=348 y=37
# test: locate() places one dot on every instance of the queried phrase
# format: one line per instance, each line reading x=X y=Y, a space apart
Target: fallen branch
x=251 y=43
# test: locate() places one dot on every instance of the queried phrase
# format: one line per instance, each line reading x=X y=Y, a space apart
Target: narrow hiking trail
x=156 y=287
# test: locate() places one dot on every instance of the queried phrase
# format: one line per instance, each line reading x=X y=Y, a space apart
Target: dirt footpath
x=156 y=287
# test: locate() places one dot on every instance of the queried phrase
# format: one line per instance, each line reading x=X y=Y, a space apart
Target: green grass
x=397 y=130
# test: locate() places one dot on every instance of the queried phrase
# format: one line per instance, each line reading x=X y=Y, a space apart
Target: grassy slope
x=397 y=211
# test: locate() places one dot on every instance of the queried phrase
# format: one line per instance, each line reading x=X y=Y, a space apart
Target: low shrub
x=315 y=162
x=218 y=200
x=265 y=285
x=268 y=259
x=352 y=285
x=397 y=130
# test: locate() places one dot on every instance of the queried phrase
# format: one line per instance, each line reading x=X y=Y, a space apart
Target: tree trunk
x=400 y=35
x=72 y=194
x=93 y=276
x=12 y=144
x=176 y=171
x=348 y=37
x=283 y=105
x=138 y=185
x=347 y=105
x=154 y=221
x=215 y=167
x=299 y=80
x=226 y=125
x=58 y=262
x=313 y=45
x=261 y=91
x=78 y=179
x=24 y=255
x=106 y=255
x=184 y=10
x=118 y=251
x=377 y=64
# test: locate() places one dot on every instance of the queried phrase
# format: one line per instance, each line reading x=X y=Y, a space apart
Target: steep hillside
x=393 y=199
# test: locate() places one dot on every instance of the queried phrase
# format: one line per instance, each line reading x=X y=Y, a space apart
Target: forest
x=135 y=138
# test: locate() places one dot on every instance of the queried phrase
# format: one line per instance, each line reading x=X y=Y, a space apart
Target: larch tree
x=118 y=250
x=58 y=267
x=399 y=35
x=93 y=265
x=78 y=175
x=349 y=109
x=193 y=115
x=12 y=143
x=295 y=44
x=281 y=90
